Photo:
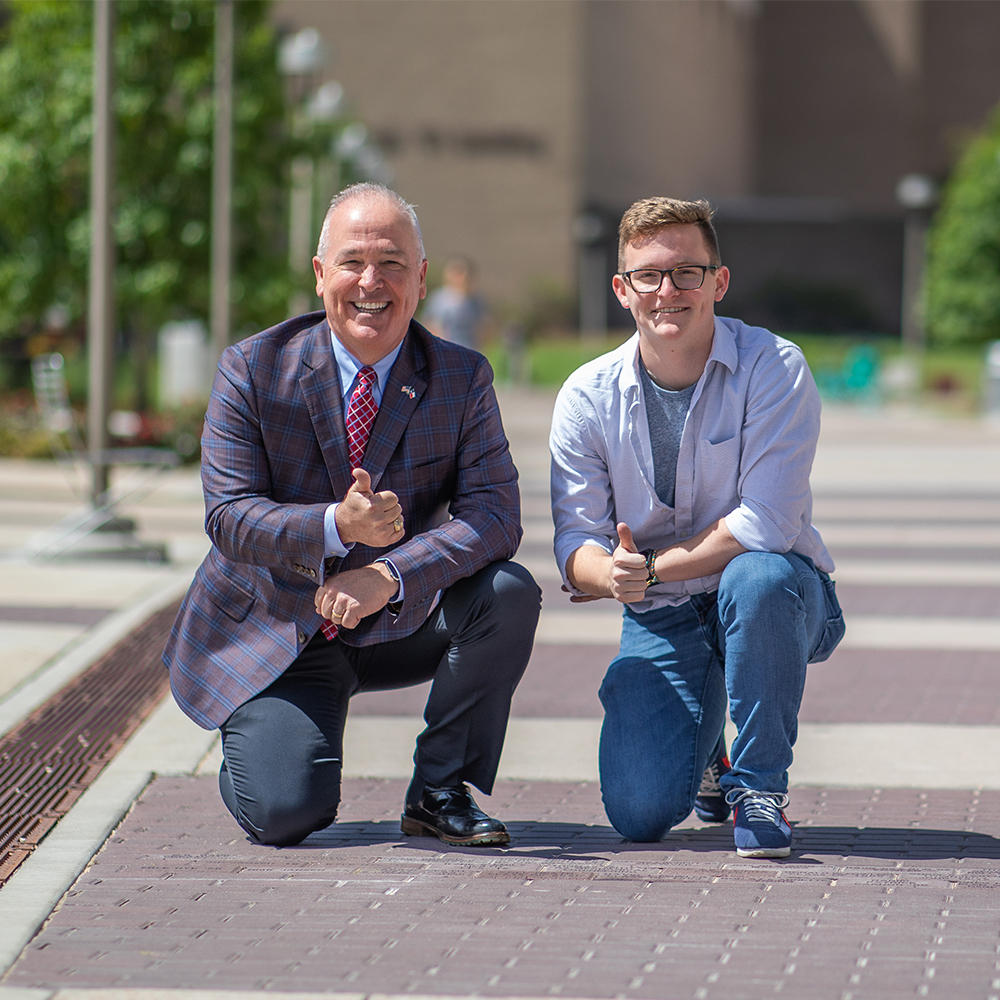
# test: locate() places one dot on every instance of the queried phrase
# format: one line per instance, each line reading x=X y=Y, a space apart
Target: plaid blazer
x=274 y=457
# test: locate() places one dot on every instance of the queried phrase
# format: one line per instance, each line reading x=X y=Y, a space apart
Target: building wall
x=831 y=107
x=477 y=107
x=852 y=96
x=849 y=98
x=504 y=119
x=961 y=82
x=668 y=100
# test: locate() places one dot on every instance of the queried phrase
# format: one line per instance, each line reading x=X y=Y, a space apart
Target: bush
x=21 y=432
x=963 y=274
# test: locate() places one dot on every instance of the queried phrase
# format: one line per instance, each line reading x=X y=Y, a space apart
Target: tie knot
x=366 y=376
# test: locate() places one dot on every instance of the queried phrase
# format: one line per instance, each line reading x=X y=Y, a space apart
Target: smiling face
x=672 y=322
x=371 y=277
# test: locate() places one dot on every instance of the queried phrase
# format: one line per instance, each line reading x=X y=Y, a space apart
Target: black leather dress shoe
x=452 y=815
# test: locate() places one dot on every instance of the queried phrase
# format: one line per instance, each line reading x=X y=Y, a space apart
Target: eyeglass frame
x=626 y=276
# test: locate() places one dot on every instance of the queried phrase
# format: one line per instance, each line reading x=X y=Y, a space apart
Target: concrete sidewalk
x=897 y=802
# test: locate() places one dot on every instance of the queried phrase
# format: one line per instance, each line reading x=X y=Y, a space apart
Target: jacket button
x=312 y=573
x=302 y=637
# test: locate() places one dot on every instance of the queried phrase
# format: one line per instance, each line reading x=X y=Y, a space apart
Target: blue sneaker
x=759 y=826
x=710 y=806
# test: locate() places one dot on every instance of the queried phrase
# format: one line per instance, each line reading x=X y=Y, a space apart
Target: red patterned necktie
x=360 y=417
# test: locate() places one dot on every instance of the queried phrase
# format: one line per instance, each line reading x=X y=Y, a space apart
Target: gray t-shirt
x=457 y=316
x=666 y=411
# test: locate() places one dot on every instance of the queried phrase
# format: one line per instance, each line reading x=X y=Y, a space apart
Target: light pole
x=916 y=193
x=589 y=230
x=300 y=58
x=101 y=292
x=222 y=180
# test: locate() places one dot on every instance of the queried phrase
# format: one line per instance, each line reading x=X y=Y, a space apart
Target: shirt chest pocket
x=719 y=466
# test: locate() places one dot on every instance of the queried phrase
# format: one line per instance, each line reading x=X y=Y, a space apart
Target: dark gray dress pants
x=284 y=747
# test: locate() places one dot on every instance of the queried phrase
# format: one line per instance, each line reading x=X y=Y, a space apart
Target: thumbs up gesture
x=370 y=518
x=628 y=569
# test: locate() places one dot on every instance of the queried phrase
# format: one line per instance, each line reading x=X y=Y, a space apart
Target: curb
x=111 y=993
x=37 y=689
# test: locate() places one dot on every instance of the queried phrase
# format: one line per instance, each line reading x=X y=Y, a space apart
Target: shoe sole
x=417 y=828
x=763 y=852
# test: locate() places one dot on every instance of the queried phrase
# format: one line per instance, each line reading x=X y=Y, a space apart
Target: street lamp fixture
x=917 y=193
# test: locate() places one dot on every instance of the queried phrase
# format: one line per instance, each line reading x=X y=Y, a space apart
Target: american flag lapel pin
x=408 y=389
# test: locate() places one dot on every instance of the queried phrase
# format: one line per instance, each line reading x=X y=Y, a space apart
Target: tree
x=164 y=106
x=962 y=296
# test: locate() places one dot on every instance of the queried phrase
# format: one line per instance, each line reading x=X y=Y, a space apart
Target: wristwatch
x=394 y=573
x=651 y=577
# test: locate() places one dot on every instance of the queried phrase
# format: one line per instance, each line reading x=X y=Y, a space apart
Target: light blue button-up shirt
x=746 y=453
x=348 y=367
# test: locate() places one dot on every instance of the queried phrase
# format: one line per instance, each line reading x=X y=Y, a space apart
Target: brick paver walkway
x=891 y=892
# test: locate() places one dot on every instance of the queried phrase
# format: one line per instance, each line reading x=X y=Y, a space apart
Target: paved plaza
x=892 y=889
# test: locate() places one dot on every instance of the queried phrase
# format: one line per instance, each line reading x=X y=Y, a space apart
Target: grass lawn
x=845 y=367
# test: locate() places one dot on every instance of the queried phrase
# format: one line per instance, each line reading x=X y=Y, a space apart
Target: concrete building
x=523 y=128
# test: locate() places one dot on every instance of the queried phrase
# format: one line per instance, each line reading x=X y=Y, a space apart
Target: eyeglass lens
x=685 y=279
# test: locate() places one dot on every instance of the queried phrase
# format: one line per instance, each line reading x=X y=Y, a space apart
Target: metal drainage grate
x=49 y=759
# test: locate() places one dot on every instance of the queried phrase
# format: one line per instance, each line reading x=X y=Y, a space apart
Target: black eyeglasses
x=686 y=278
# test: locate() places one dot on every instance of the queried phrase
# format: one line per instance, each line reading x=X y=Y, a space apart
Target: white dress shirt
x=746 y=453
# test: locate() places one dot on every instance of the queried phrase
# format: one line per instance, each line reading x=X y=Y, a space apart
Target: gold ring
x=398 y=524
x=337 y=618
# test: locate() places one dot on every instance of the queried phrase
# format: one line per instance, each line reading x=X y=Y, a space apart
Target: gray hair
x=369 y=191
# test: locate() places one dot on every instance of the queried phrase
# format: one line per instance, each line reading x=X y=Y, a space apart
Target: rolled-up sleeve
x=779 y=435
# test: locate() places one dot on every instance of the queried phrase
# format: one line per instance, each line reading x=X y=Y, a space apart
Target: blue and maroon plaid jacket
x=274 y=456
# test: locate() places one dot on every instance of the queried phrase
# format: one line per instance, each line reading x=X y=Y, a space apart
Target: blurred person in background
x=680 y=488
x=453 y=311
x=362 y=506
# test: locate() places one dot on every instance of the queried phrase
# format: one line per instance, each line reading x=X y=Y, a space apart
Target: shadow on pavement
x=592 y=842
x=895 y=843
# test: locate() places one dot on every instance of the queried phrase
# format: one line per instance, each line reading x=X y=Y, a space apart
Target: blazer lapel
x=400 y=398
x=320 y=387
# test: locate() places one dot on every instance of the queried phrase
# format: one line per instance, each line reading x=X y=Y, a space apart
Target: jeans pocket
x=834 y=629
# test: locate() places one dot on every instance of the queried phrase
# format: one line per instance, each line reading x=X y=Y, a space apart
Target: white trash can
x=185 y=376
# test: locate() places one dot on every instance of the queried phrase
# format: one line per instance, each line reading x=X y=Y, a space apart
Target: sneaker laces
x=762 y=807
x=710 y=780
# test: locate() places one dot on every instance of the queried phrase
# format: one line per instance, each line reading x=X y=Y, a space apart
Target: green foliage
x=963 y=275
x=846 y=368
x=949 y=378
x=164 y=103
x=551 y=360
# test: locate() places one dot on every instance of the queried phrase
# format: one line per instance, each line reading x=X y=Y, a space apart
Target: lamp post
x=101 y=292
x=222 y=180
x=300 y=57
x=589 y=230
x=916 y=193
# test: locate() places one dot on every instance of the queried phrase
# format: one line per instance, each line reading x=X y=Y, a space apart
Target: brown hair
x=650 y=215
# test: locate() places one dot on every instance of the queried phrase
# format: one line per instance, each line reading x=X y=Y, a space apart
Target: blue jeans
x=666 y=691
